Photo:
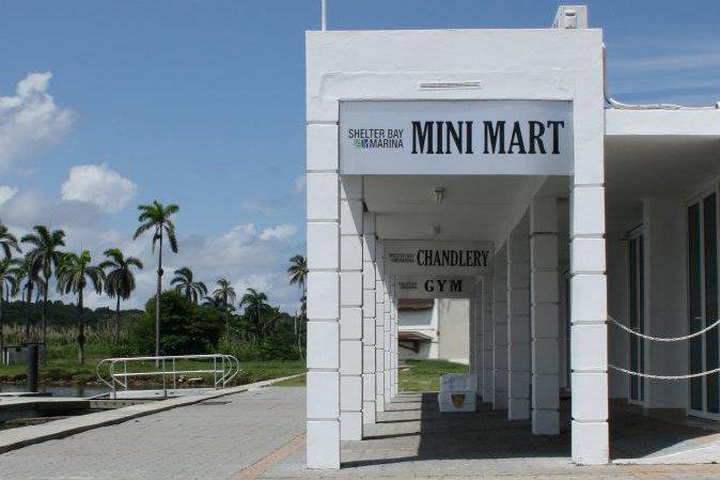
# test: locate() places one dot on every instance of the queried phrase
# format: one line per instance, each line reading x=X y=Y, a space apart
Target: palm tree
x=297 y=271
x=155 y=218
x=8 y=241
x=218 y=304
x=44 y=252
x=27 y=271
x=226 y=293
x=184 y=283
x=8 y=285
x=256 y=307
x=73 y=274
x=120 y=279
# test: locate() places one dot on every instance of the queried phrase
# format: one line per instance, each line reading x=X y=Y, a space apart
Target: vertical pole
x=32 y=370
x=545 y=316
x=323 y=297
x=324 y=15
x=487 y=301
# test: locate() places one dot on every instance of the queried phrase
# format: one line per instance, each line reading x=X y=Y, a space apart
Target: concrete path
x=215 y=439
x=259 y=434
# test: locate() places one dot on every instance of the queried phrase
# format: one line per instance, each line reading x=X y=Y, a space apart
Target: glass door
x=704 y=392
x=636 y=314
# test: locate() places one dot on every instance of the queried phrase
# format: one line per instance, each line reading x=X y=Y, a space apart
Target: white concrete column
x=588 y=316
x=394 y=345
x=476 y=337
x=379 y=328
x=500 y=331
x=518 y=304
x=544 y=316
x=323 y=298
x=487 y=351
x=351 y=301
x=369 y=315
x=387 y=333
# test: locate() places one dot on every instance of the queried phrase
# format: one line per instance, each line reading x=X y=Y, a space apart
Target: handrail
x=224 y=369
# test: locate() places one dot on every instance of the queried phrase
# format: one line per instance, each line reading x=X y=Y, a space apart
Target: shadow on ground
x=413 y=429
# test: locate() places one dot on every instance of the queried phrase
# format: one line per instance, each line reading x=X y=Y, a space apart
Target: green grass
x=424 y=375
x=293 y=382
x=67 y=371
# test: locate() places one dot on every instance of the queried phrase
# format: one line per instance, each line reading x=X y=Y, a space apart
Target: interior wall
x=618 y=341
x=453 y=329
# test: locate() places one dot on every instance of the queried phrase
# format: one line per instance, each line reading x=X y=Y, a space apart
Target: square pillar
x=379 y=328
x=545 y=316
x=487 y=351
x=518 y=311
x=394 y=345
x=323 y=298
x=588 y=330
x=369 y=315
x=351 y=302
x=387 y=333
x=476 y=337
x=500 y=341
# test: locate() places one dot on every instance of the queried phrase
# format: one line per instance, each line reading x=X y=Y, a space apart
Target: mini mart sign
x=491 y=137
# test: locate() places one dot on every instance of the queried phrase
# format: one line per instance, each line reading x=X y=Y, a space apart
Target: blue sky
x=201 y=103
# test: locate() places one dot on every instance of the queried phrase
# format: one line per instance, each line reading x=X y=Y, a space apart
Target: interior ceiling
x=473 y=207
x=641 y=167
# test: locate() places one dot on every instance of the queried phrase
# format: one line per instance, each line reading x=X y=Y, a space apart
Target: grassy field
x=420 y=376
x=424 y=375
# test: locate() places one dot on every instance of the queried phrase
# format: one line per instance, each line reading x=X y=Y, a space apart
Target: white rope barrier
x=663 y=339
x=665 y=377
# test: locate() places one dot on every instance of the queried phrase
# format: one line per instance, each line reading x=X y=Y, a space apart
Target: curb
x=24 y=436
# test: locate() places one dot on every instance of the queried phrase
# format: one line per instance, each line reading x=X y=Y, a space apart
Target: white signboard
x=434 y=286
x=488 y=137
x=406 y=257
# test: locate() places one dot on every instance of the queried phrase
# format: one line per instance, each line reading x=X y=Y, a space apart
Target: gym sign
x=443 y=258
x=434 y=286
x=491 y=137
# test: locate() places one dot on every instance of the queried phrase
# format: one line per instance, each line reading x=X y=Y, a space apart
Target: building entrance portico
x=423 y=168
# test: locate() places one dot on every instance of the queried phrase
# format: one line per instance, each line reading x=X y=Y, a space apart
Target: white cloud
x=262 y=206
x=30 y=120
x=100 y=185
x=299 y=184
x=6 y=193
x=280 y=232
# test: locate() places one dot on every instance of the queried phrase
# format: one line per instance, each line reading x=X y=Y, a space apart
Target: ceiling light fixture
x=439 y=193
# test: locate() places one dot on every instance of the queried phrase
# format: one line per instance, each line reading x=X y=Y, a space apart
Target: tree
x=187 y=328
x=8 y=285
x=226 y=293
x=72 y=275
x=185 y=284
x=27 y=271
x=156 y=218
x=8 y=241
x=120 y=279
x=297 y=271
x=45 y=254
x=256 y=308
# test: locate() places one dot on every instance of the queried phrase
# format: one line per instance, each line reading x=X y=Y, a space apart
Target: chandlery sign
x=494 y=137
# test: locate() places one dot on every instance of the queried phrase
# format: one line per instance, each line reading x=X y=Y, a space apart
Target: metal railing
x=117 y=372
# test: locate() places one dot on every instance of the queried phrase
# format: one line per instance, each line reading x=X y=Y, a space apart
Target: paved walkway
x=258 y=434
x=211 y=440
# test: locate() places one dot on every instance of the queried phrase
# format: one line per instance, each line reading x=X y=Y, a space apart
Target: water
x=59 y=391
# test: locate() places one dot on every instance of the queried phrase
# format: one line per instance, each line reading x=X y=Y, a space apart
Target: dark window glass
x=711 y=301
x=694 y=300
x=633 y=317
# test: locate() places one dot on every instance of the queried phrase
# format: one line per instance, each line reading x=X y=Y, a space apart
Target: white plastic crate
x=458 y=392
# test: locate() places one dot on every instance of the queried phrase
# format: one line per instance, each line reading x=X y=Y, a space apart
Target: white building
x=488 y=160
x=434 y=329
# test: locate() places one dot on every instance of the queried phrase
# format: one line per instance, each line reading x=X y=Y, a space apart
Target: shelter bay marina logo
x=376 y=137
